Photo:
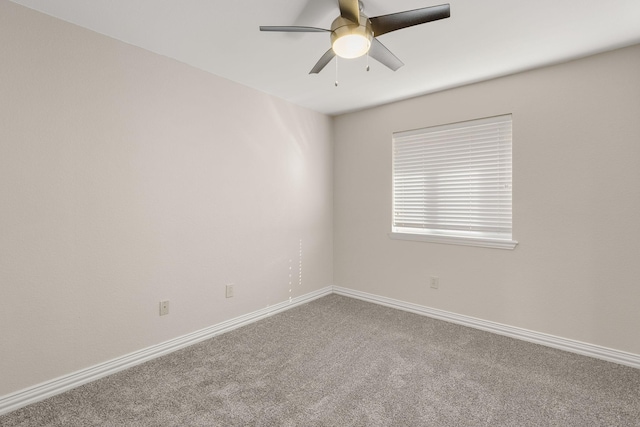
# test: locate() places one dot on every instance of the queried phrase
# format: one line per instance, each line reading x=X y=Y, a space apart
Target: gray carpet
x=338 y=361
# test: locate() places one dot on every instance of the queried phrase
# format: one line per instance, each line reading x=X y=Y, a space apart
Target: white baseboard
x=47 y=389
x=585 y=349
x=22 y=398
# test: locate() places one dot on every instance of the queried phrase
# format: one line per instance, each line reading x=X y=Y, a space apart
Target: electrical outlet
x=229 y=290
x=434 y=282
x=164 y=308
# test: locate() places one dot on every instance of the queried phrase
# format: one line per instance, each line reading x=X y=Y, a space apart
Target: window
x=452 y=183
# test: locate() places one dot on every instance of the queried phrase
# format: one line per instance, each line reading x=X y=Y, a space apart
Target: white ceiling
x=481 y=40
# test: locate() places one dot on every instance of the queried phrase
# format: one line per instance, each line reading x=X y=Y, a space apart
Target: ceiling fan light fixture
x=350 y=40
x=351 y=46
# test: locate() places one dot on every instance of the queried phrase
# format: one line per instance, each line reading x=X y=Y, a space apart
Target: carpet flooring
x=338 y=361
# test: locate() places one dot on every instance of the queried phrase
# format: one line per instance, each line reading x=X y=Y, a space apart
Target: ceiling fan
x=353 y=34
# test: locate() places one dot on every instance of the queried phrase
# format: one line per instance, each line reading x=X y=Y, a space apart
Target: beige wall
x=127 y=178
x=576 y=272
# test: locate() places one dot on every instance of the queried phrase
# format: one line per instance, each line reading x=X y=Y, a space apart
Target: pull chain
x=368 y=61
x=336 y=71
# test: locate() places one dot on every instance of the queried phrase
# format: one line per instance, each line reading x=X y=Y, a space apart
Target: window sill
x=483 y=242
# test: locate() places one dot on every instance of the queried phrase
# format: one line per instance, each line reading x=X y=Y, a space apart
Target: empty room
x=319 y=213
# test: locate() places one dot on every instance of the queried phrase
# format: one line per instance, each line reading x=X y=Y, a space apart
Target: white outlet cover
x=164 y=308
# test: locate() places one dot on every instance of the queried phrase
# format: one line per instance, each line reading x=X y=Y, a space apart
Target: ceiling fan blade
x=350 y=9
x=396 y=21
x=294 y=29
x=380 y=53
x=326 y=58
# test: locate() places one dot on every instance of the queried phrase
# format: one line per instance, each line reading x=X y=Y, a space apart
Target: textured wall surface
x=576 y=195
x=127 y=178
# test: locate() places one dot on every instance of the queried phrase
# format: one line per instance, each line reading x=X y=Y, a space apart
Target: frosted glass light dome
x=351 y=46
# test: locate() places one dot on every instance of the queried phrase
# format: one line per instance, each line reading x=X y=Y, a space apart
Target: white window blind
x=454 y=181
